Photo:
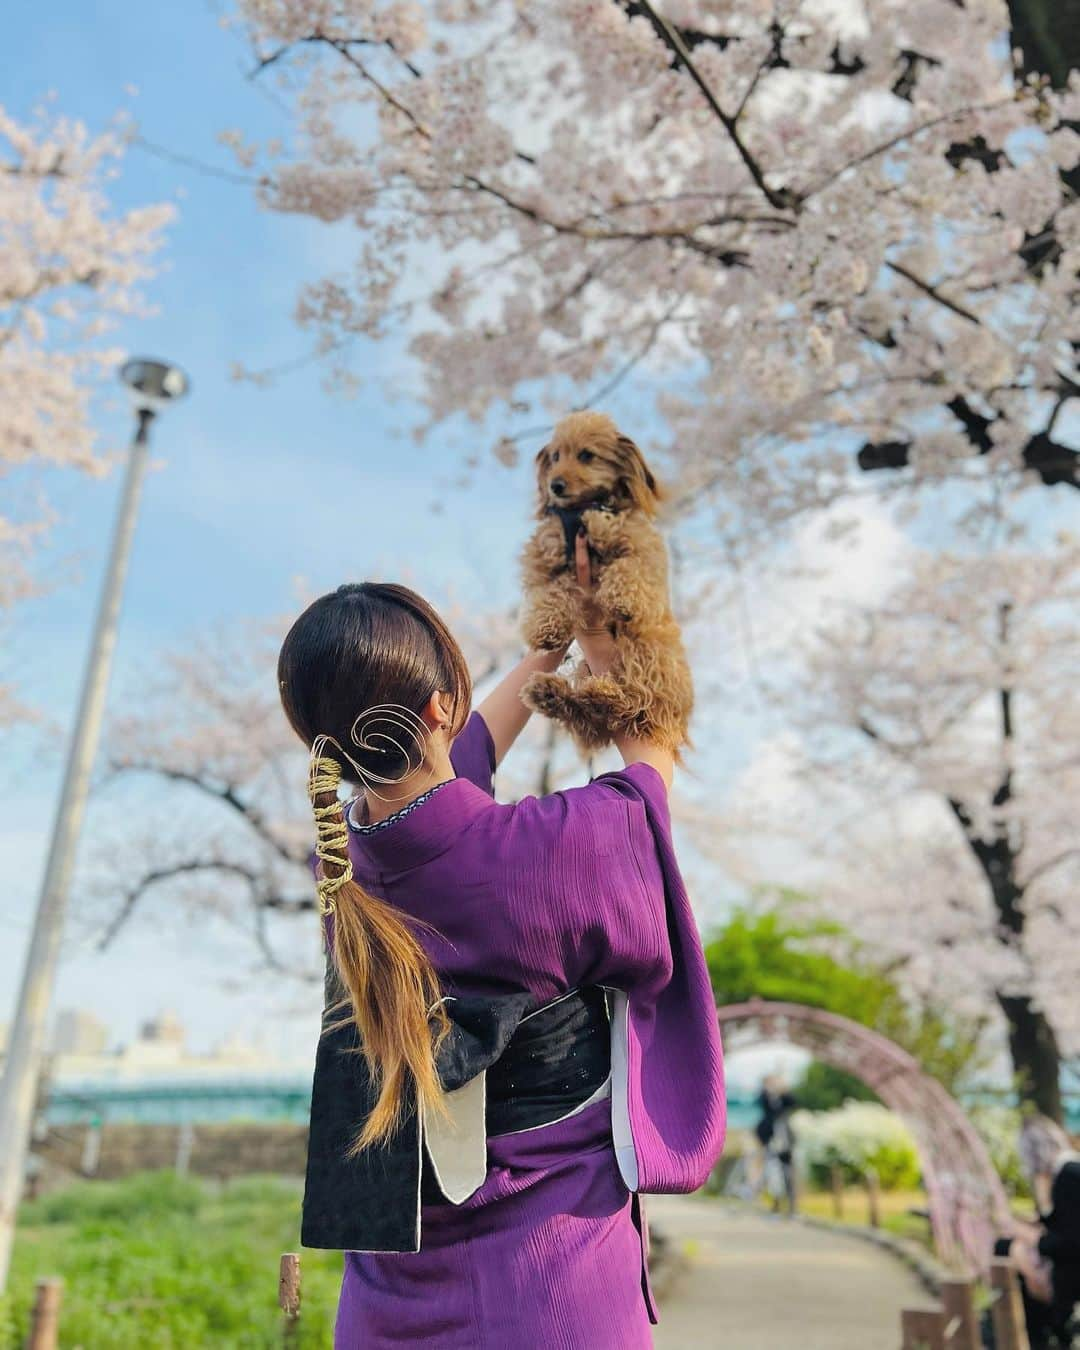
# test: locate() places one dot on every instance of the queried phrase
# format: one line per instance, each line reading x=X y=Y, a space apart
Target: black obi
x=536 y=1063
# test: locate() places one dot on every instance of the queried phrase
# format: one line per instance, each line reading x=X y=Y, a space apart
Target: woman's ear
x=637 y=478
x=439 y=711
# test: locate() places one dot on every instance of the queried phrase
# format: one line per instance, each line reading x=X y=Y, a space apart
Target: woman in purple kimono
x=520 y=1034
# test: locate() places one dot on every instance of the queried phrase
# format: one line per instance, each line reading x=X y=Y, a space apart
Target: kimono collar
x=421 y=834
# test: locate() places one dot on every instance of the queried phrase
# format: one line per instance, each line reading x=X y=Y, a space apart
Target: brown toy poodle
x=590 y=476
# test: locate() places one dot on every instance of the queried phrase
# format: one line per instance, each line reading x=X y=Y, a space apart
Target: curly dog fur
x=590 y=468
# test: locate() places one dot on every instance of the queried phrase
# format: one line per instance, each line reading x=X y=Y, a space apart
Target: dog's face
x=588 y=461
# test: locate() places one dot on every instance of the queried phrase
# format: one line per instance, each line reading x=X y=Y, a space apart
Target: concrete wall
x=216 y=1150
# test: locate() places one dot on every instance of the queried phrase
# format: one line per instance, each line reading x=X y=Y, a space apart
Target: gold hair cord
x=331 y=832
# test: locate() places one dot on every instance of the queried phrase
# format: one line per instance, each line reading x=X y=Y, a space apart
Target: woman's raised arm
x=503 y=711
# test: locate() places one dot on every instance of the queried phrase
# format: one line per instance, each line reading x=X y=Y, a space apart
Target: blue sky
x=256 y=487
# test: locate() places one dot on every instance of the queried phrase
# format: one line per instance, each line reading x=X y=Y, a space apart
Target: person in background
x=1042 y=1141
x=1047 y=1253
x=777 y=1139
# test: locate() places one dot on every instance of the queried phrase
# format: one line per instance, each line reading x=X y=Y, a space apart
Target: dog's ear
x=543 y=467
x=636 y=478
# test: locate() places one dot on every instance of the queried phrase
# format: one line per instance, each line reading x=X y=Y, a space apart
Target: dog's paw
x=604 y=528
x=547 y=694
x=547 y=631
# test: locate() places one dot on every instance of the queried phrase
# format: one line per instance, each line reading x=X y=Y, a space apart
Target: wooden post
x=1010 y=1330
x=289 y=1298
x=922 y=1329
x=836 y=1182
x=45 y=1318
x=185 y=1142
x=962 y=1326
x=873 y=1196
x=91 y=1154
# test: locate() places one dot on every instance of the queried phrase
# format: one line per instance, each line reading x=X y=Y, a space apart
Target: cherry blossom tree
x=836 y=247
x=938 y=756
x=70 y=267
x=822 y=235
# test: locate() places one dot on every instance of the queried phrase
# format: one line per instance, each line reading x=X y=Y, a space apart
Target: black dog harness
x=571 y=521
x=539 y=1063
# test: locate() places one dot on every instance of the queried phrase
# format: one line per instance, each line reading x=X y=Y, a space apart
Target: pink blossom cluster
x=70 y=267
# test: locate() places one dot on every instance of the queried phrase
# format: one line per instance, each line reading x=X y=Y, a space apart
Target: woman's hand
x=594 y=637
x=1037 y=1273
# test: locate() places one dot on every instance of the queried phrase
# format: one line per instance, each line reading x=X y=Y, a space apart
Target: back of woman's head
x=362 y=648
x=356 y=673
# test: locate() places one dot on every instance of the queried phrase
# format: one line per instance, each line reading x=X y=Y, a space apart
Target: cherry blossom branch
x=782 y=199
x=874 y=152
x=631 y=364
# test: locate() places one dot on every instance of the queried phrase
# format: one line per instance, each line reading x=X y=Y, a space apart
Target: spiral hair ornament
x=392 y=730
x=331 y=832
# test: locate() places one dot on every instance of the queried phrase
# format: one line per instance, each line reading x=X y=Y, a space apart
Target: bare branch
x=932 y=292
x=227 y=794
x=195 y=867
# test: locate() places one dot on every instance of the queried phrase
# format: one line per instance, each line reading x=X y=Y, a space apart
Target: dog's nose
x=558 y=486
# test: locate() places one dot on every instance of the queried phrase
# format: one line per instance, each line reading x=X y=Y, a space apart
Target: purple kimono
x=579 y=888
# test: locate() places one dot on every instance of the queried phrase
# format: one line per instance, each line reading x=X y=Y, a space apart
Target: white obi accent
x=625 y=1153
x=458 y=1147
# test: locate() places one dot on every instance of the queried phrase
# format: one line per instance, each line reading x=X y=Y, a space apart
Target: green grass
x=159 y=1262
x=894 y=1208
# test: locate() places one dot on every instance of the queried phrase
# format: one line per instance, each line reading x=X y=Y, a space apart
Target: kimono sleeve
x=668 y=1102
x=473 y=754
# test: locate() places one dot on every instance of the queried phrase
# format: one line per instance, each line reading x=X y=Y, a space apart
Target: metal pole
x=27 y=1043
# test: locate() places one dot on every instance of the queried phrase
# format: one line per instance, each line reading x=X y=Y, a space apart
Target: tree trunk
x=1035 y=1056
x=1047 y=33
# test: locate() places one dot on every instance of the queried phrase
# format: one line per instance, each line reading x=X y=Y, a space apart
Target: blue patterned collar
x=394 y=815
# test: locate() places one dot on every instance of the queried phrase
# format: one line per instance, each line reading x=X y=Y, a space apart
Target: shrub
x=823 y=1088
x=860 y=1136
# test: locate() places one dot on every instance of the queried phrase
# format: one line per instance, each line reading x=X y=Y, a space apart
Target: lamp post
x=152 y=384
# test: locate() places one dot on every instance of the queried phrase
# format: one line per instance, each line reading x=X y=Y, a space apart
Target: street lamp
x=153 y=385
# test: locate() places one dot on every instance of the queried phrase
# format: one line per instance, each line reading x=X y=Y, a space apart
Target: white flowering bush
x=858 y=1138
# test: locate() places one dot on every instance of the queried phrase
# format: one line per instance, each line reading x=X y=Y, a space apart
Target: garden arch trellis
x=967 y=1201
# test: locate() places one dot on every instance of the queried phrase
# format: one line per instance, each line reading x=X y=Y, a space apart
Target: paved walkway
x=755 y=1282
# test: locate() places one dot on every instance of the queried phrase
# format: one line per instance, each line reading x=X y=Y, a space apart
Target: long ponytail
x=393 y=991
x=365 y=646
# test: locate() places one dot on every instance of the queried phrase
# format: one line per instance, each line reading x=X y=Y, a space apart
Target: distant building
x=167 y=1029
x=78 y=1032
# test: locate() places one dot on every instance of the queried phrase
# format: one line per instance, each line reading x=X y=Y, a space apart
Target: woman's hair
x=354 y=659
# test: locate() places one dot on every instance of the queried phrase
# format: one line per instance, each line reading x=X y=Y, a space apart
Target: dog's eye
x=586 y=456
x=555 y=457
